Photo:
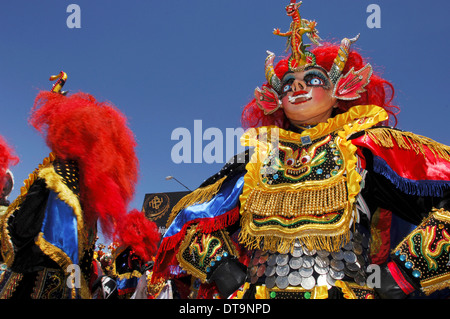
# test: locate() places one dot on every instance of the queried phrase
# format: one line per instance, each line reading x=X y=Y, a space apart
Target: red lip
x=299 y=93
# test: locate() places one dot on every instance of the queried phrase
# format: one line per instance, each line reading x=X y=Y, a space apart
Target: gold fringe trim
x=56 y=254
x=276 y=239
x=434 y=284
x=6 y=243
x=304 y=201
x=61 y=258
x=198 y=196
x=408 y=141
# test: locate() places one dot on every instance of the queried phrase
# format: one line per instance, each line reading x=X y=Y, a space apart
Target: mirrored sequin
x=272 y=261
x=349 y=257
x=306 y=272
x=336 y=274
x=338 y=255
x=323 y=253
x=353 y=266
x=270 y=282
x=270 y=271
x=322 y=261
x=294 y=278
x=321 y=270
x=360 y=279
x=337 y=265
x=282 y=270
x=308 y=261
x=282 y=282
x=308 y=252
x=357 y=248
x=308 y=283
x=296 y=262
x=297 y=251
x=261 y=270
x=252 y=270
x=348 y=246
x=322 y=281
x=330 y=280
x=282 y=259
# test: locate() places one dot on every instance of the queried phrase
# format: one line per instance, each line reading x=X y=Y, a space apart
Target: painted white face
x=307 y=96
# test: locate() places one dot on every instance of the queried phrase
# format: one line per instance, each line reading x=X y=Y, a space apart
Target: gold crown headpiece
x=347 y=87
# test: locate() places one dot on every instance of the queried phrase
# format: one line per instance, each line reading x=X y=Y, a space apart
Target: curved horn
x=271 y=76
x=341 y=58
x=62 y=77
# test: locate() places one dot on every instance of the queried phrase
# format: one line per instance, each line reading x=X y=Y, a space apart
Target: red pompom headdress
x=7 y=159
x=95 y=135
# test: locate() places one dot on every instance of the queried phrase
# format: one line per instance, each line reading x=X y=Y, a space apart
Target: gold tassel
x=435 y=284
x=408 y=141
x=53 y=252
x=198 y=196
x=272 y=239
x=304 y=201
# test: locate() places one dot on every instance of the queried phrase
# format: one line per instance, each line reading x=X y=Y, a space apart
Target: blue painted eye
x=286 y=88
x=315 y=81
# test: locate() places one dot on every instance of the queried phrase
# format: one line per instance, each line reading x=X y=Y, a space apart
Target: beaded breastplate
x=303 y=186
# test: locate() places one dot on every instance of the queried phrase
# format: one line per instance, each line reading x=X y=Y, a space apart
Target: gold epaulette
x=386 y=137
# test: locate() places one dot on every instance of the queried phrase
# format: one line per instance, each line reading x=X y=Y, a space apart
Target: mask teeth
x=341 y=58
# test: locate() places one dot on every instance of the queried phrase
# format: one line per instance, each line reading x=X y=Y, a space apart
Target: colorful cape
x=415 y=165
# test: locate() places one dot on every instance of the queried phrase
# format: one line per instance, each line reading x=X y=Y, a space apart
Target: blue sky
x=166 y=64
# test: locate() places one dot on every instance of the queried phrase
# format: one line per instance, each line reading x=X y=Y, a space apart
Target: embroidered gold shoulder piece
x=408 y=141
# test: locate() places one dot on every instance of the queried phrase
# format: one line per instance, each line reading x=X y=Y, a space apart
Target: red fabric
x=383 y=229
x=407 y=163
x=139 y=233
x=166 y=256
x=7 y=159
x=399 y=278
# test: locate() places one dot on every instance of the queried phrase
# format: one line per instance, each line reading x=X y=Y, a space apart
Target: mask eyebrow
x=317 y=67
x=287 y=77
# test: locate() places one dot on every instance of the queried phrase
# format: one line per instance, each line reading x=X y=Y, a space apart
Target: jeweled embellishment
x=425 y=252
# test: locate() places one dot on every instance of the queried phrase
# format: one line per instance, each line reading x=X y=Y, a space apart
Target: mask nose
x=298 y=85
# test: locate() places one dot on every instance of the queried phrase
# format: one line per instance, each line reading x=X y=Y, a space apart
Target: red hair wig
x=7 y=159
x=96 y=136
x=379 y=91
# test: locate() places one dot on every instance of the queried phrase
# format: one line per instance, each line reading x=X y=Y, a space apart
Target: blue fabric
x=225 y=200
x=60 y=226
x=125 y=284
x=412 y=187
